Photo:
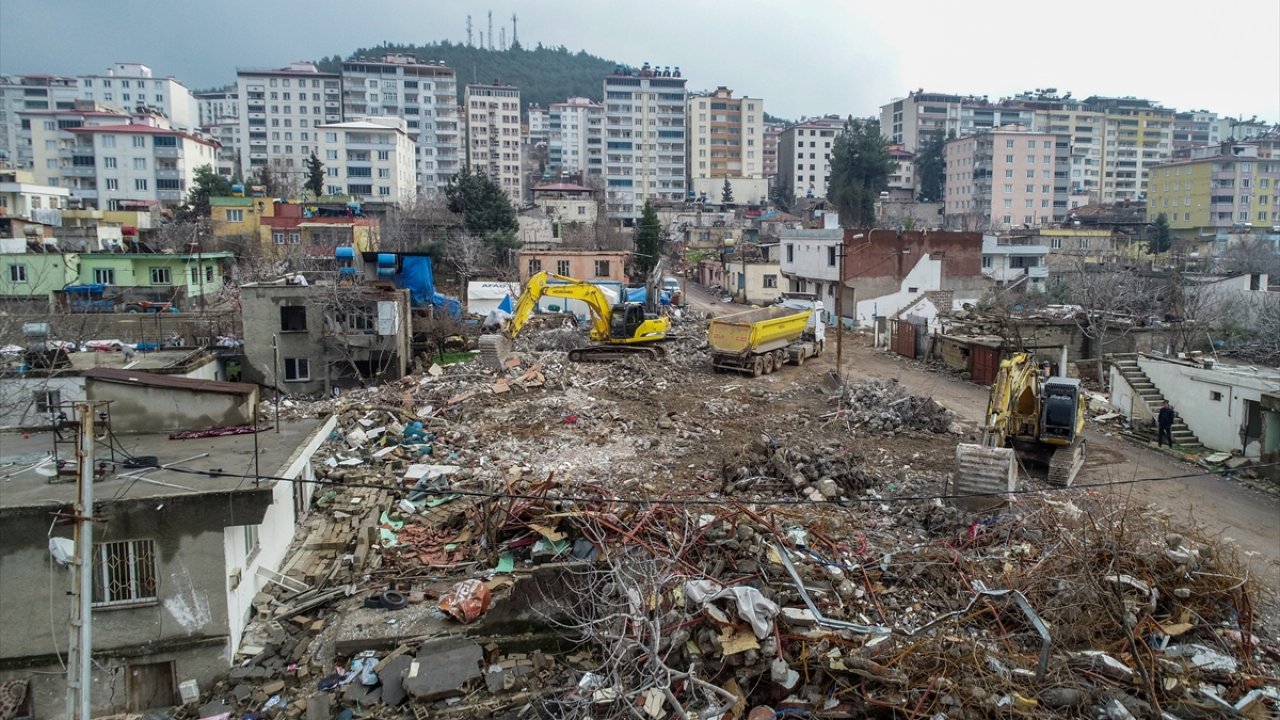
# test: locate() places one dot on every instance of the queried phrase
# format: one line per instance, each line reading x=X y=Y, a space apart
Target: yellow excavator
x=620 y=330
x=1031 y=418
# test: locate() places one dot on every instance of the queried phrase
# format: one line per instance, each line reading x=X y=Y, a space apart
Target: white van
x=670 y=285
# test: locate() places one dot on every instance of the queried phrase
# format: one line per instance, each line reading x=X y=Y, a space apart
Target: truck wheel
x=800 y=358
x=757 y=367
x=779 y=359
x=768 y=363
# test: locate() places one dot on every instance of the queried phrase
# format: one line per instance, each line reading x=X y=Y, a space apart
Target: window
x=535 y=266
x=330 y=154
x=1215 y=396
x=791 y=253
x=124 y=573
x=986 y=261
x=277 y=238
x=602 y=268
x=562 y=267
x=235 y=216
x=140 y=184
x=295 y=237
x=161 y=276
x=17 y=273
x=108 y=141
x=113 y=184
x=104 y=276
x=47 y=401
x=139 y=141
x=109 y=163
x=771 y=281
x=139 y=163
x=297 y=369
x=1055 y=243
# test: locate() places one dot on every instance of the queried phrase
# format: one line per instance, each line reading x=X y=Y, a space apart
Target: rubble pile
x=887 y=407
x=624 y=540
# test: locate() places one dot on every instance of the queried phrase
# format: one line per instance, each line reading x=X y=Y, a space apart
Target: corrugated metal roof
x=174 y=382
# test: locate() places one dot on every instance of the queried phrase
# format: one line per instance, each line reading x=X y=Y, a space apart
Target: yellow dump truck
x=763 y=340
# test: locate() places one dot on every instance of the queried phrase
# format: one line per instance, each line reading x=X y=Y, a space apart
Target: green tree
x=648 y=240
x=781 y=195
x=486 y=210
x=931 y=167
x=860 y=169
x=268 y=180
x=207 y=184
x=315 y=176
x=726 y=192
x=1161 y=237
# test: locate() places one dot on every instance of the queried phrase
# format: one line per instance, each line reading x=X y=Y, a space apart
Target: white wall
x=1188 y=389
x=925 y=276
x=810 y=257
x=17 y=397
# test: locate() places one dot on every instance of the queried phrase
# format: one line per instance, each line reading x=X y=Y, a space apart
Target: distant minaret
x=515 y=38
x=490 y=33
x=502 y=38
x=468 y=31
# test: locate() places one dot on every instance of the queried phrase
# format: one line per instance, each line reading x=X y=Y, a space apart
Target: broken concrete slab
x=392 y=677
x=442 y=667
x=319 y=706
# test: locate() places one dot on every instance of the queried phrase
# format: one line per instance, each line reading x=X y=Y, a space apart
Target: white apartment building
x=726 y=142
x=46 y=144
x=217 y=106
x=143 y=160
x=911 y=120
x=424 y=94
x=372 y=159
x=493 y=136
x=575 y=134
x=1199 y=128
x=130 y=86
x=644 y=139
x=804 y=156
x=21 y=197
x=22 y=93
x=227 y=133
x=279 y=110
x=539 y=124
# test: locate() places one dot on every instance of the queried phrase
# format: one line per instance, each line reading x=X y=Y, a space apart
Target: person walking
x=1165 y=420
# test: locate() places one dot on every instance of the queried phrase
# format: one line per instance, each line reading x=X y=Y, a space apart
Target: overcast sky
x=804 y=57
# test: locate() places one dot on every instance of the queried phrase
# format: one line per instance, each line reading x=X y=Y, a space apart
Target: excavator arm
x=539 y=286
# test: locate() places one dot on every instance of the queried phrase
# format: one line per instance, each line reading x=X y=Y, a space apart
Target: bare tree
x=468 y=256
x=1108 y=297
x=1252 y=256
x=418 y=225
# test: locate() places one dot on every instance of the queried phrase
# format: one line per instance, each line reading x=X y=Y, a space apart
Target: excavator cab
x=1059 y=409
x=626 y=320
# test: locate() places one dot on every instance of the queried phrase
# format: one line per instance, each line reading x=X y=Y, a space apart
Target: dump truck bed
x=758 y=330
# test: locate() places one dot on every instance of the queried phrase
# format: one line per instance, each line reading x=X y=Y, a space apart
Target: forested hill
x=544 y=75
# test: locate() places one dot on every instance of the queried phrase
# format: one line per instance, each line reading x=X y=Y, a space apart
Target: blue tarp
x=640 y=295
x=416 y=276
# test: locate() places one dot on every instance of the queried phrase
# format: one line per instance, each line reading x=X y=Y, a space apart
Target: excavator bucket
x=494 y=350
x=987 y=473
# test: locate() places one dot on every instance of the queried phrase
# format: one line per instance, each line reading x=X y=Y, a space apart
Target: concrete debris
x=551 y=539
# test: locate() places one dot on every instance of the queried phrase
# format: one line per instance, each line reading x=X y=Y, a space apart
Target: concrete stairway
x=1151 y=396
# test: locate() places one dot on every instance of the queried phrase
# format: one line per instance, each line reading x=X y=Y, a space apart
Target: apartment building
x=574 y=128
x=726 y=142
x=227 y=134
x=493 y=136
x=371 y=159
x=142 y=161
x=772 y=136
x=425 y=94
x=1007 y=177
x=1083 y=125
x=804 y=156
x=279 y=109
x=539 y=125
x=644 y=139
x=130 y=86
x=216 y=106
x=902 y=181
x=1137 y=134
x=1218 y=189
x=1198 y=128
x=24 y=93
x=919 y=116
x=44 y=141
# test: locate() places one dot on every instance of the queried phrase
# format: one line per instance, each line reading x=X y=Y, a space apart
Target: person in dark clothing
x=1165 y=420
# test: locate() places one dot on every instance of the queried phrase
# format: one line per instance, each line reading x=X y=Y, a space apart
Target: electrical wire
x=805 y=501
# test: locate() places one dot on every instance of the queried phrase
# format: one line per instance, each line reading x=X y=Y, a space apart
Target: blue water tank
x=345 y=253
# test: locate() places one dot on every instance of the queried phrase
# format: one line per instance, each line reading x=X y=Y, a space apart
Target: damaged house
x=304 y=339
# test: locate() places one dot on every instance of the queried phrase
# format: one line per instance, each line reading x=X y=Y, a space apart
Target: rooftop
x=562 y=187
x=175 y=382
x=28 y=485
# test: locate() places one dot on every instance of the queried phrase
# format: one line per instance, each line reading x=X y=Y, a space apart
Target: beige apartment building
x=493 y=135
x=726 y=142
x=1006 y=178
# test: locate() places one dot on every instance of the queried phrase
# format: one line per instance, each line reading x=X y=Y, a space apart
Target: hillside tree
x=860 y=169
x=648 y=240
x=315 y=176
x=486 y=210
x=931 y=168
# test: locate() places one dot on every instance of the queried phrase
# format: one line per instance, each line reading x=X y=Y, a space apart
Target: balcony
x=169 y=195
x=79 y=171
x=169 y=173
x=1039 y=272
x=167 y=152
x=76 y=151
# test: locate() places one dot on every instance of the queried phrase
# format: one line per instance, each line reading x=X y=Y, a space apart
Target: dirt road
x=1223 y=506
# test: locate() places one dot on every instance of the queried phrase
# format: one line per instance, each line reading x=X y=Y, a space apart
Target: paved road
x=703 y=300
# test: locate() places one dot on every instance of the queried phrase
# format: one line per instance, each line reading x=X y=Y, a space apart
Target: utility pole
x=80 y=651
x=840 y=256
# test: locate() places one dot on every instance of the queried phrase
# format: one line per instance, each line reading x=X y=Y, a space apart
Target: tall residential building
x=1083 y=125
x=217 y=106
x=143 y=161
x=279 y=109
x=772 y=135
x=1198 y=128
x=494 y=146
x=911 y=120
x=726 y=142
x=1007 y=176
x=20 y=93
x=1137 y=134
x=425 y=94
x=902 y=181
x=1218 y=188
x=804 y=156
x=539 y=124
x=132 y=86
x=227 y=133
x=372 y=159
x=46 y=144
x=644 y=139
x=575 y=129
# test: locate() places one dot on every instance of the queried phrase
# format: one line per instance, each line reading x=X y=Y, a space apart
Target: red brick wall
x=887 y=254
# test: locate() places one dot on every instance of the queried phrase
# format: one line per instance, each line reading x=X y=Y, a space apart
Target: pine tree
x=486 y=210
x=726 y=193
x=648 y=240
x=860 y=169
x=315 y=176
x=207 y=184
x=1161 y=237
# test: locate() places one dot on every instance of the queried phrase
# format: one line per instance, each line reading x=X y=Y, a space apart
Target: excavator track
x=614 y=353
x=1065 y=464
